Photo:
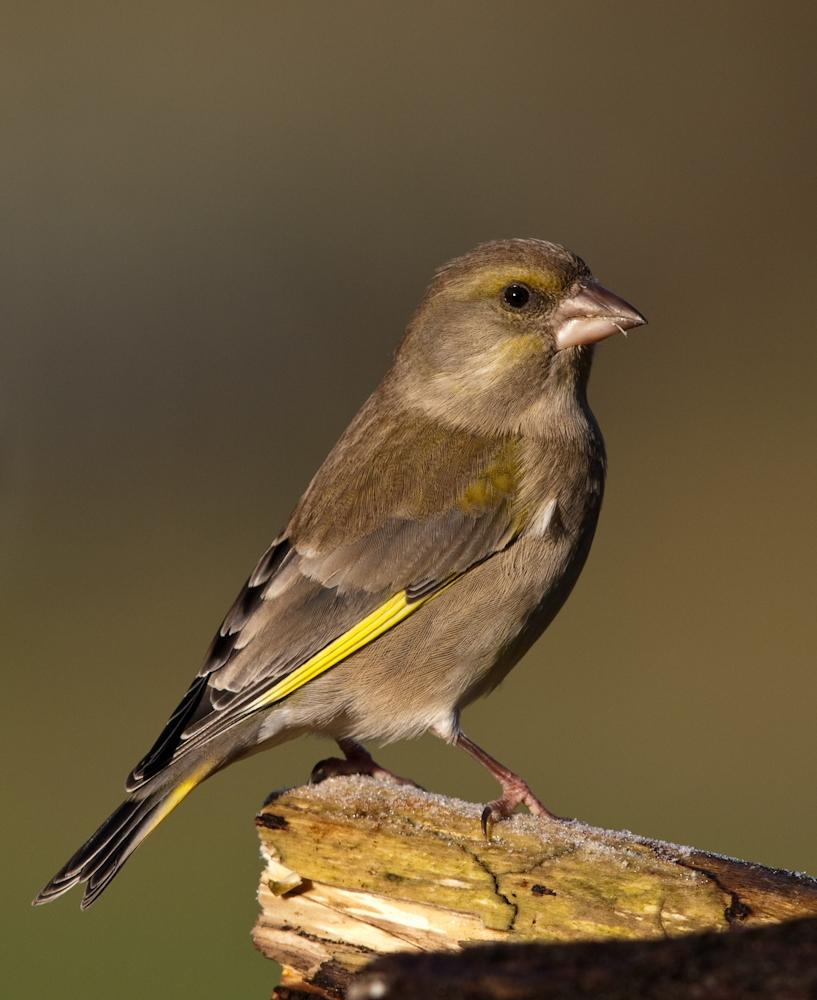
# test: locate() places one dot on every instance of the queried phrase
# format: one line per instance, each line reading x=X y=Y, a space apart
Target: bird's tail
x=101 y=857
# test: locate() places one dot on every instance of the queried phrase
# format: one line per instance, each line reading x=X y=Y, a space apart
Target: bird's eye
x=516 y=295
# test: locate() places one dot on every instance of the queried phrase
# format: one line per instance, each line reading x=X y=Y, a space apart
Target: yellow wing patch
x=379 y=621
x=174 y=797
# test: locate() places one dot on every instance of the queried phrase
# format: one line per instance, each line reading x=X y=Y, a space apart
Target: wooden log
x=766 y=962
x=358 y=868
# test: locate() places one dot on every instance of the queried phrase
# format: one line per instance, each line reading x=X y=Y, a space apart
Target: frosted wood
x=358 y=868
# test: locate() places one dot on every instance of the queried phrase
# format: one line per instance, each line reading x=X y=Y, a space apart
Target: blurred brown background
x=217 y=219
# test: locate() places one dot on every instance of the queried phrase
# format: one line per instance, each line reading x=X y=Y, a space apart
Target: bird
x=435 y=544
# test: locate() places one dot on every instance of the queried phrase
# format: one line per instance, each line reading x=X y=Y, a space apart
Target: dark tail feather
x=101 y=857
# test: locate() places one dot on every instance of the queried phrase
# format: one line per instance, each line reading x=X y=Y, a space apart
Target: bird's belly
x=453 y=649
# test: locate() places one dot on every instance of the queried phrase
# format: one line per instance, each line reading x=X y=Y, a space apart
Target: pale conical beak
x=592 y=314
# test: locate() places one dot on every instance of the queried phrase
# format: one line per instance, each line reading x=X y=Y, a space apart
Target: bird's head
x=506 y=326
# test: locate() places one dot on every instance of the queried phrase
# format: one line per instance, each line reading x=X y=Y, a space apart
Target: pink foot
x=515 y=791
x=357 y=760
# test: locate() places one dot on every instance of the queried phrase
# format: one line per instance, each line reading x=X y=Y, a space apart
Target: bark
x=358 y=868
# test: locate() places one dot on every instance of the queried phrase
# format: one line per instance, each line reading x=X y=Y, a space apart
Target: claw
x=328 y=768
x=357 y=760
x=514 y=790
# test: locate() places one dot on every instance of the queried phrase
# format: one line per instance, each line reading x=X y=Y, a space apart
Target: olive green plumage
x=437 y=541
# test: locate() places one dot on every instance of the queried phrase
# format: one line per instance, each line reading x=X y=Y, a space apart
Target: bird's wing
x=370 y=543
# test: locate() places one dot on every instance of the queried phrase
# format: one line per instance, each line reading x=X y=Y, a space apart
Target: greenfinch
x=434 y=545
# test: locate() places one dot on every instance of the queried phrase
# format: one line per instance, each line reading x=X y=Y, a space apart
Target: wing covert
x=313 y=587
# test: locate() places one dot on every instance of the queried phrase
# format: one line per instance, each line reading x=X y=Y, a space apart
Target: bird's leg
x=357 y=760
x=514 y=789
